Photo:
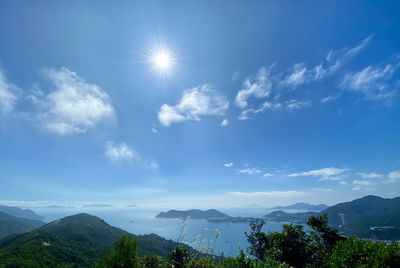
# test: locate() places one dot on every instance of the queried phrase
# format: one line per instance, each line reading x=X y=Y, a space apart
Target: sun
x=162 y=60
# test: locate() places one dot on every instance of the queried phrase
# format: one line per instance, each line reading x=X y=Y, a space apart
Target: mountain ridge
x=79 y=240
x=20 y=212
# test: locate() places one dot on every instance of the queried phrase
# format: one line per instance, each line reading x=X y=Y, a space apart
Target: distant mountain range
x=303 y=206
x=20 y=213
x=14 y=225
x=194 y=214
x=74 y=241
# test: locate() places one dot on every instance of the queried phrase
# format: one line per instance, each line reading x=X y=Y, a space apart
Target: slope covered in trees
x=75 y=240
x=14 y=225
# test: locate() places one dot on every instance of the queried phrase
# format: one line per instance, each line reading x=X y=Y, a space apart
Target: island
x=194 y=214
x=303 y=206
x=282 y=216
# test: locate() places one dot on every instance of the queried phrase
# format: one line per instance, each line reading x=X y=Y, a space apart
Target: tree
x=180 y=257
x=355 y=252
x=122 y=256
x=257 y=239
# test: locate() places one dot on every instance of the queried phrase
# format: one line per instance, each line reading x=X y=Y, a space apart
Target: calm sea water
x=200 y=234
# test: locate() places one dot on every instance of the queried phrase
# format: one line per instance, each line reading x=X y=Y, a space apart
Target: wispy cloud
x=74 y=106
x=258 y=88
x=224 y=122
x=359 y=184
x=289 y=105
x=194 y=103
x=299 y=74
x=274 y=194
x=121 y=152
x=154 y=129
x=228 y=165
x=329 y=173
x=249 y=171
x=117 y=152
x=372 y=82
x=370 y=175
x=8 y=94
x=394 y=176
x=273 y=88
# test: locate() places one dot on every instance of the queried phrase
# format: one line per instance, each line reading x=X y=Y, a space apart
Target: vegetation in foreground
x=292 y=247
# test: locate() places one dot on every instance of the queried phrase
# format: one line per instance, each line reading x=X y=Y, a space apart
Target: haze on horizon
x=187 y=104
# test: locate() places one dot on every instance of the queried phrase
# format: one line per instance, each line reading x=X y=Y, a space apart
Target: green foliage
x=258 y=240
x=14 y=225
x=180 y=257
x=153 y=261
x=291 y=246
x=354 y=252
x=122 y=256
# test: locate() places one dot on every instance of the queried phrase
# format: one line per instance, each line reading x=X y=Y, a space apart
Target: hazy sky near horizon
x=198 y=103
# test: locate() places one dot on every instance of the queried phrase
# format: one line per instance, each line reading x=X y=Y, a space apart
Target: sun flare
x=162 y=60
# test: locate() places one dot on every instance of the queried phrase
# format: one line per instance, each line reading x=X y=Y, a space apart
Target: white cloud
x=295 y=104
x=266 y=86
x=266 y=175
x=394 y=176
x=371 y=175
x=154 y=129
x=224 y=122
x=289 y=105
x=228 y=165
x=299 y=74
x=343 y=182
x=341 y=57
x=260 y=88
x=74 y=106
x=372 y=82
x=249 y=171
x=329 y=173
x=321 y=189
x=8 y=94
x=120 y=152
x=194 y=103
x=274 y=194
x=361 y=184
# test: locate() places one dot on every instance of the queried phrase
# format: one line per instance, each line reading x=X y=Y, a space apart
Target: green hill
x=368 y=217
x=14 y=225
x=193 y=213
x=74 y=241
x=282 y=216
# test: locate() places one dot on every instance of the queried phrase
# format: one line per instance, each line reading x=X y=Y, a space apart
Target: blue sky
x=264 y=103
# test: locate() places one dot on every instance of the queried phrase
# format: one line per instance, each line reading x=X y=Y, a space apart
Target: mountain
x=282 y=216
x=193 y=213
x=14 y=225
x=368 y=217
x=303 y=206
x=74 y=241
x=20 y=213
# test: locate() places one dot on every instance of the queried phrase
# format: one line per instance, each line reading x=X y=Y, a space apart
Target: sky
x=202 y=104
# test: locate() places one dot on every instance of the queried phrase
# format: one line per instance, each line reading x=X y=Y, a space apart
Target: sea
x=215 y=238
